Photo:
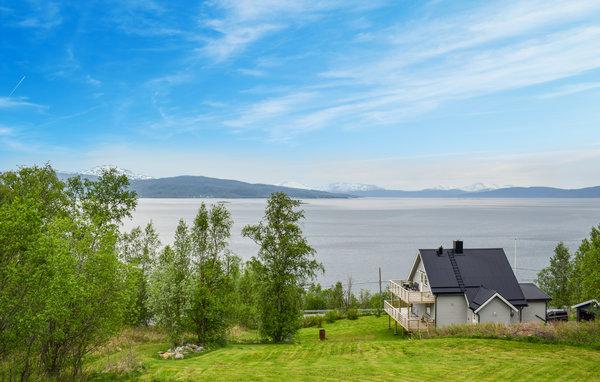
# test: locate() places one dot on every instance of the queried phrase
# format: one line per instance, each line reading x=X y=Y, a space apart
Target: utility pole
x=380 y=295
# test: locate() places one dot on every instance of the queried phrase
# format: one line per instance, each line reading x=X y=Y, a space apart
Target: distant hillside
x=508 y=192
x=536 y=192
x=205 y=187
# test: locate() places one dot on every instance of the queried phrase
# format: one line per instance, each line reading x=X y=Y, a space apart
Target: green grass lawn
x=365 y=350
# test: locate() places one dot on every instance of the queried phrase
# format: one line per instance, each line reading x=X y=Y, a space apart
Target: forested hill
x=205 y=187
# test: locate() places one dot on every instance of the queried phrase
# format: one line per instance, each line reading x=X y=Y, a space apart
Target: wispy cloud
x=42 y=15
x=244 y=22
x=571 y=89
x=480 y=53
x=16 y=103
x=5 y=130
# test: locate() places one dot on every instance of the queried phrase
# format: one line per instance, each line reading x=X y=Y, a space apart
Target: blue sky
x=401 y=94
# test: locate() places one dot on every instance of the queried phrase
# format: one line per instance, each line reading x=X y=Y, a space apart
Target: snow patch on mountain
x=350 y=187
x=98 y=170
x=298 y=185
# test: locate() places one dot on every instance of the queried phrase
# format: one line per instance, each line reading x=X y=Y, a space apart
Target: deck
x=408 y=321
x=410 y=296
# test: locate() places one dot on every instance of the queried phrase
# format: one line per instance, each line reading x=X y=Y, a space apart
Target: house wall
x=495 y=311
x=471 y=317
x=421 y=309
x=533 y=308
x=451 y=309
x=420 y=276
x=515 y=317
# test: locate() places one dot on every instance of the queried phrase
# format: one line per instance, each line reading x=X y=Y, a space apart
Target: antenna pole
x=515 y=261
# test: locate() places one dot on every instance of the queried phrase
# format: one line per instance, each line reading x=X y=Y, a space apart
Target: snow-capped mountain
x=475 y=187
x=350 y=187
x=298 y=185
x=97 y=171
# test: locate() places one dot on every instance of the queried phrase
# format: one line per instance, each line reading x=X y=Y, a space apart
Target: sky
x=400 y=94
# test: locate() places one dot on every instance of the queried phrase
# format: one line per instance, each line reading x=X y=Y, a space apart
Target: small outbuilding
x=586 y=311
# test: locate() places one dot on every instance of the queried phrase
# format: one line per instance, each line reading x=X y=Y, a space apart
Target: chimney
x=458 y=246
x=440 y=251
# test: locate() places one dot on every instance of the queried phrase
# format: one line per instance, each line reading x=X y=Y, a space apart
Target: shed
x=586 y=310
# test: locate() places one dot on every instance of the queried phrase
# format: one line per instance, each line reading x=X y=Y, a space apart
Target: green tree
x=586 y=274
x=555 y=279
x=62 y=286
x=169 y=285
x=139 y=249
x=212 y=278
x=285 y=262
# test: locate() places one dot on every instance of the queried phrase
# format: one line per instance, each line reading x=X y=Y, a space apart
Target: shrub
x=312 y=321
x=352 y=314
x=570 y=333
x=333 y=315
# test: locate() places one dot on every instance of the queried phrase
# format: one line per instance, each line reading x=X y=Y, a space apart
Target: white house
x=456 y=286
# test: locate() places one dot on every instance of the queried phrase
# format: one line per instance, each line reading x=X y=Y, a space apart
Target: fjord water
x=353 y=237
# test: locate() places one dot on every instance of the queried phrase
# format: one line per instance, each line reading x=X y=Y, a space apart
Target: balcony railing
x=398 y=288
x=407 y=321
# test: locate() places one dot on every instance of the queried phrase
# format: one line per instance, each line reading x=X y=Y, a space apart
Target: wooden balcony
x=406 y=320
x=410 y=296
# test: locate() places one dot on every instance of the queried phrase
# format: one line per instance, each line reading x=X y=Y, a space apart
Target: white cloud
x=17 y=103
x=42 y=15
x=92 y=81
x=572 y=89
x=246 y=21
x=370 y=90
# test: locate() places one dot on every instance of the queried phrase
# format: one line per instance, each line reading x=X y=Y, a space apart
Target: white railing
x=408 y=323
x=410 y=296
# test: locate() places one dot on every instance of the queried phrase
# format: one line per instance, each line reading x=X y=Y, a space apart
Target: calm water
x=353 y=237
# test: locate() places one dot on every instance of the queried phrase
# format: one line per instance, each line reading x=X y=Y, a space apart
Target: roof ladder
x=461 y=283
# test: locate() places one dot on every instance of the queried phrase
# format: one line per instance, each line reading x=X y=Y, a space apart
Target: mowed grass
x=365 y=349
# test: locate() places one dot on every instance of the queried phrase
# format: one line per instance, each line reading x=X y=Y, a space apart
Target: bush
x=352 y=314
x=333 y=315
x=570 y=333
x=312 y=321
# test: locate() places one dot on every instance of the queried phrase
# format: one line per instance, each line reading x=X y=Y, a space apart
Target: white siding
x=451 y=309
x=471 y=317
x=533 y=308
x=420 y=276
x=495 y=311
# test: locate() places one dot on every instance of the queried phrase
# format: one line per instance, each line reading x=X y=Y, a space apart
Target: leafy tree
x=212 y=278
x=336 y=296
x=315 y=298
x=62 y=289
x=555 y=279
x=247 y=296
x=285 y=261
x=170 y=284
x=139 y=249
x=586 y=274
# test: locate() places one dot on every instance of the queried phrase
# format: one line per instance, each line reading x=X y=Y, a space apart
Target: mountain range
x=205 y=187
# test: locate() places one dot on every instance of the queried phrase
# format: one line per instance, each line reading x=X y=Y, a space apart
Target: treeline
x=342 y=297
x=570 y=279
x=69 y=279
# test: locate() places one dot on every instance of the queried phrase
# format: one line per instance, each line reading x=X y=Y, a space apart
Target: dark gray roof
x=533 y=293
x=477 y=296
x=478 y=267
x=585 y=304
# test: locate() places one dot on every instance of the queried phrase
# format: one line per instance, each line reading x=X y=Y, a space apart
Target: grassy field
x=362 y=350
